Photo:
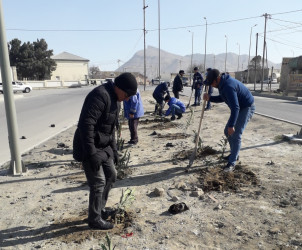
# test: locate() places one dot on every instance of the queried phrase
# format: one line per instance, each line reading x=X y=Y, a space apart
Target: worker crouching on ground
x=176 y=107
x=94 y=143
x=133 y=110
x=241 y=103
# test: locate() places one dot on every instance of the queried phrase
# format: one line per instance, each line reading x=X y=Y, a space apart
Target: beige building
x=70 y=67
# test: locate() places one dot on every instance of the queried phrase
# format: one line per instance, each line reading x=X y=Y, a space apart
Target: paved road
x=290 y=111
x=36 y=112
x=39 y=109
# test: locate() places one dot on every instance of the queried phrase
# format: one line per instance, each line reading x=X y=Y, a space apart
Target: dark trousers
x=176 y=94
x=100 y=183
x=159 y=103
x=133 y=124
x=197 y=96
x=210 y=92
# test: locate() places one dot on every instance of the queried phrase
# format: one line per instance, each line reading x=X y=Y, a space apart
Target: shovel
x=193 y=155
x=190 y=99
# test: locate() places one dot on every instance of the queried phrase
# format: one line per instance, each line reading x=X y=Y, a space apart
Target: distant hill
x=172 y=63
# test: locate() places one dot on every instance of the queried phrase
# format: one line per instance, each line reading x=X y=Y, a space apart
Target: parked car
x=108 y=80
x=156 y=82
x=185 y=81
x=270 y=81
x=18 y=86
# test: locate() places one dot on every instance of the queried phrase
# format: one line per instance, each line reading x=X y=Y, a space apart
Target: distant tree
x=94 y=72
x=256 y=59
x=32 y=60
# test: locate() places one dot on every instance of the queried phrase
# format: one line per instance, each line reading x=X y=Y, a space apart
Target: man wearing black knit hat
x=94 y=143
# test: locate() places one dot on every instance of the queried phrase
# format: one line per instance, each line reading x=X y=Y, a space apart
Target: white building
x=70 y=67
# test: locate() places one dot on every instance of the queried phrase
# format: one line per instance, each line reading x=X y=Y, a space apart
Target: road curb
x=278 y=119
x=288 y=98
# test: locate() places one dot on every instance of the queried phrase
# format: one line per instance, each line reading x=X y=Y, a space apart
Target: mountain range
x=172 y=63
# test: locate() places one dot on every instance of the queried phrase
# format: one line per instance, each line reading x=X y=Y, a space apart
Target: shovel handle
x=192 y=158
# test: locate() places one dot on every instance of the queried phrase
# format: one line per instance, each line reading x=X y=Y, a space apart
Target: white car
x=19 y=86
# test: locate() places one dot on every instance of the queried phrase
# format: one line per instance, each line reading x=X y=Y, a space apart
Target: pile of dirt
x=173 y=136
x=154 y=120
x=215 y=179
x=201 y=153
x=76 y=230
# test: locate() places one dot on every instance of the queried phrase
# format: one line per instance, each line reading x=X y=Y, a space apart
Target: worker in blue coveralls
x=158 y=95
x=133 y=110
x=176 y=107
x=241 y=103
x=197 y=85
x=210 y=91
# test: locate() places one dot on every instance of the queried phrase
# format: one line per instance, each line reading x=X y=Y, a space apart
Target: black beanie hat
x=127 y=83
x=212 y=76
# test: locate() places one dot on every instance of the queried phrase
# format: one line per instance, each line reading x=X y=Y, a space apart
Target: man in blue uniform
x=176 y=107
x=133 y=110
x=197 y=85
x=158 y=95
x=210 y=91
x=241 y=103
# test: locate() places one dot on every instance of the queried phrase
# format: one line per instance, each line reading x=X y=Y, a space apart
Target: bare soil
x=258 y=206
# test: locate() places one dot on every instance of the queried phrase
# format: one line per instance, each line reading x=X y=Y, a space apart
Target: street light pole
x=264 y=47
x=16 y=164
x=205 y=46
x=191 y=57
x=158 y=41
x=238 y=57
x=144 y=8
x=226 y=52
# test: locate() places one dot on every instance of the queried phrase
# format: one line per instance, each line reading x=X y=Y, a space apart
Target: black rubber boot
x=108 y=212
x=100 y=224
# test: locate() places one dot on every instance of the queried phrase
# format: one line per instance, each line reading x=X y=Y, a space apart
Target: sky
x=110 y=32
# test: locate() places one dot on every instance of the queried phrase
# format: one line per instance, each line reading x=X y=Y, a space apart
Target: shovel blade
x=192 y=158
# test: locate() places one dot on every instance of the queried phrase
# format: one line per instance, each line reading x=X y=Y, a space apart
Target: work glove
x=115 y=157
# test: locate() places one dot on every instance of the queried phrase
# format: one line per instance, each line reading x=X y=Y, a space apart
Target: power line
x=286 y=21
x=171 y=28
x=72 y=30
x=293 y=46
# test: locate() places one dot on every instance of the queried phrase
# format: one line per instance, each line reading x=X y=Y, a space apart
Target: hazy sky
x=105 y=31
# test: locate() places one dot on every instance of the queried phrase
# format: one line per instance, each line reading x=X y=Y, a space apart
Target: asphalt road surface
x=290 y=111
x=38 y=110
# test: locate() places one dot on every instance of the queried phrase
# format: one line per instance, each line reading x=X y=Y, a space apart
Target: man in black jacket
x=95 y=145
x=177 y=84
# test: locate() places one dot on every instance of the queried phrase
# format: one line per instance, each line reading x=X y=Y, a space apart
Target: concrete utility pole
x=16 y=165
x=256 y=61
x=226 y=52
x=144 y=8
x=248 y=64
x=158 y=41
x=205 y=47
x=264 y=47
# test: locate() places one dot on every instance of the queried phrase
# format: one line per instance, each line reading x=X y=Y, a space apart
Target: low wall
x=55 y=84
